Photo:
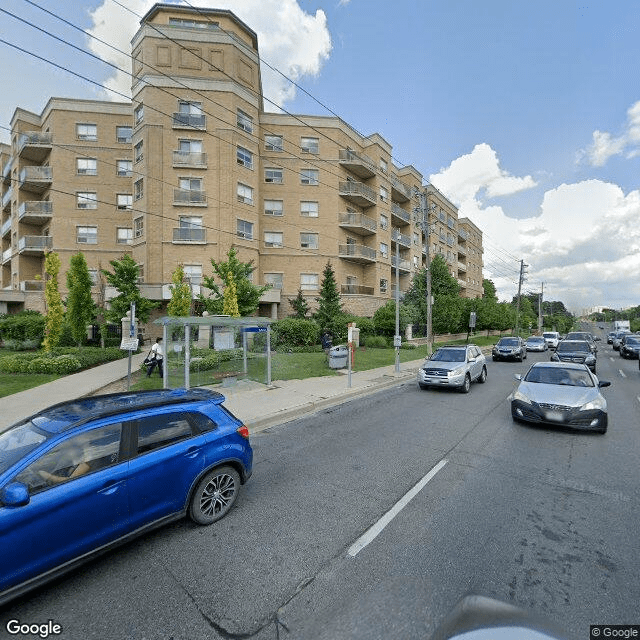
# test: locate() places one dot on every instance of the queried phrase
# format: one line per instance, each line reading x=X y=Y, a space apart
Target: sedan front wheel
x=214 y=495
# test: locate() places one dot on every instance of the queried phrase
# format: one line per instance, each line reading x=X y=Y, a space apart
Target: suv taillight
x=243 y=431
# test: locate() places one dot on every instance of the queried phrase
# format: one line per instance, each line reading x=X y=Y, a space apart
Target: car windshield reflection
x=554 y=375
x=449 y=355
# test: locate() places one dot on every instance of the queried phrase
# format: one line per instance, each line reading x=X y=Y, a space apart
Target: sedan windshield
x=17 y=442
x=556 y=375
x=508 y=342
x=573 y=346
x=449 y=355
x=632 y=341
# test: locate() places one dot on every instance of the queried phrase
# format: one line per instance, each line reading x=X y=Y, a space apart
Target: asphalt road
x=542 y=518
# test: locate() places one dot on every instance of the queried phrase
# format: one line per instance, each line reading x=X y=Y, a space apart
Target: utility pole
x=540 y=308
x=424 y=215
x=523 y=266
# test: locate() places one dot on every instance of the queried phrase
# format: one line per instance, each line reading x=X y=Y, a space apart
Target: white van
x=551 y=338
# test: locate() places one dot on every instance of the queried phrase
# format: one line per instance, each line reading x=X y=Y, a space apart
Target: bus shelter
x=215 y=349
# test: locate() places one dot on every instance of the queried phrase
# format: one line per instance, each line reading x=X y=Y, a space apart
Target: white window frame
x=193 y=273
x=274 y=175
x=273 y=138
x=384 y=221
x=124 y=168
x=309 y=145
x=126 y=237
x=271 y=239
x=309 y=281
x=310 y=177
x=384 y=249
x=384 y=284
x=124 y=139
x=86 y=131
x=86 y=200
x=271 y=210
x=244 y=157
x=190 y=107
x=87 y=235
x=124 y=201
x=87 y=166
x=244 y=229
x=276 y=280
x=384 y=193
x=308 y=210
x=308 y=240
x=138 y=227
x=138 y=151
x=138 y=189
x=138 y=114
x=244 y=193
x=244 y=121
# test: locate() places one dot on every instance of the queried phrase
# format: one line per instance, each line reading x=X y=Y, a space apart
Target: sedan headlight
x=518 y=395
x=598 y=403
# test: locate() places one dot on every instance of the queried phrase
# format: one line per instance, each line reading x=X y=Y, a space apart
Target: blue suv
x=80 y=477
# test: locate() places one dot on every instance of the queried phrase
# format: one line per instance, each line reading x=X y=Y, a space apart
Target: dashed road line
x=622 y=373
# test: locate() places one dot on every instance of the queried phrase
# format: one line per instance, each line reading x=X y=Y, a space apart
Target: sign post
x=130 y=344
x=472 y=324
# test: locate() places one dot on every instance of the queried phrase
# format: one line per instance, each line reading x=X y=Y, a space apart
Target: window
x=87 y=166
x=245 y=193
x=93 y=274
x=244 y=229
x=384 y=250
x=309 y=281
x=274 y=175
x=138 y=154
x=193 y=24
x=273 y=143
x=190 y=146
x=138 y=114
x=309 y=240
x=383 y=285
x=190 y=108
x=124 y=201
x=87 y=132
x=384 y=194
x=384 y=166
x=124 y=168
x=123 y=134
x=272 y=239
x=244 y=157
x=384 y=222
x=309 y=209
x=273 y=207
x=416 y=240
x=138 y=227
x=189 y=115
x=124 y=235
x=245 y=121
x=162 y=430
x=87 y=200
x=309 y=145
x=309 y=176
x=274 y=279
x=190 y=222
x=87 y=235
x=415 y=261
x=190 y=184
x=193 y=273
x=138 y=189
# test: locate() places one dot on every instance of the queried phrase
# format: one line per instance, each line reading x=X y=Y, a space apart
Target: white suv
x=453 y=366
x=551 y=338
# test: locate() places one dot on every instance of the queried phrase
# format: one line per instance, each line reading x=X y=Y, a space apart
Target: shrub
x=294 y=332
x=376 y=342
x=21 y=329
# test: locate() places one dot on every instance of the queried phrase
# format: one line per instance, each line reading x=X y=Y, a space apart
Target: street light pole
x=424 y=206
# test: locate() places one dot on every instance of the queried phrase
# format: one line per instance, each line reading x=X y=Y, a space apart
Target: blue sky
x=526 y=114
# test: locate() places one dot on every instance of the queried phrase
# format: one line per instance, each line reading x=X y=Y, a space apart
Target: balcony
x=35 y=211
x=5 y=228
x=36 y=179
x=6 y=171
x=6 y=255
x=462 y=234
x=399 y=190
x=401 y=216
x=461 y=250
x=189 y=197
x=357 y=163
x=356 y=289
x=357 y=253
x=6 y=199
x=31 y=285
x=34 y=145
x=462 y=267
x=34 y=245
x=403 y=265
x=401 y=238
x=462 y=283
x=193 y=235
x=189 y=121
x=358 y=193
x=189 y=159
x=358 y=223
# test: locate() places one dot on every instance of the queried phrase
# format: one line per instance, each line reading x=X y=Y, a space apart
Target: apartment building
x=195 y=166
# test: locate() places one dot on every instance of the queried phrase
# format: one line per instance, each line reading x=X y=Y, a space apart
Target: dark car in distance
x=509 y=348
x=577 y=351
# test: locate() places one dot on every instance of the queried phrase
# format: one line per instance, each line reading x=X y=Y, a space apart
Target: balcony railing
x=6 y=255
x=36 y=178
x=35 y=211
x=462 y=266
x=399 y=190
x=356 y=253
x=189 y=197
x=401 y=238
x=189 y=158
x=357 y=163
x=6 y=171
x=5 y=228
x=6 y=198
x=461 y=250
x=403 y=265
x=358 y=193
x=34 y=244
x=400 y=213
x=31 y=285
x=32 y=138
x=356 y=289
x=358 y=223
x=462 y=234
x=189 y=234
x=189 y=120
x=462 y=283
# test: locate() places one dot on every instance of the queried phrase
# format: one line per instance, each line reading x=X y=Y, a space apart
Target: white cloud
x=605 y=145
x=290 y=39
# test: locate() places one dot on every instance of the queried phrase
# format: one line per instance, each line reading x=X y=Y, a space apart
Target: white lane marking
x=621 y=372
x=375 y=530
x=610 y=358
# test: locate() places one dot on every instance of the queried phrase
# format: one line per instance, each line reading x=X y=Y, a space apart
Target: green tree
x=80 y=306
x=247 y=294
x=384 y=318
x=124 y=279
x=329 y=301
x=489 y=290
x=180 y=303
x=300 y=306
x=55 y=311
x=229 y=296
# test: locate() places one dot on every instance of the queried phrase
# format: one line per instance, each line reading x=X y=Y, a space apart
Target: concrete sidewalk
x=258 y=405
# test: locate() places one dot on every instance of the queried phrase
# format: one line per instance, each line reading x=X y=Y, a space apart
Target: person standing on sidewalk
x=157 y=357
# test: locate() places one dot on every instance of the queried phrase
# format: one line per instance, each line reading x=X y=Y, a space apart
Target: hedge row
x=61 y=360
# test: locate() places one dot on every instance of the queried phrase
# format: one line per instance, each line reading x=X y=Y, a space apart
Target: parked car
x=83 y=476
x=536 y=343
x=629 y=346
x=453 y=366
x=617 y=337
x=559 y=393
x=511 y=348
x=578 y=351
x=551 y=338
